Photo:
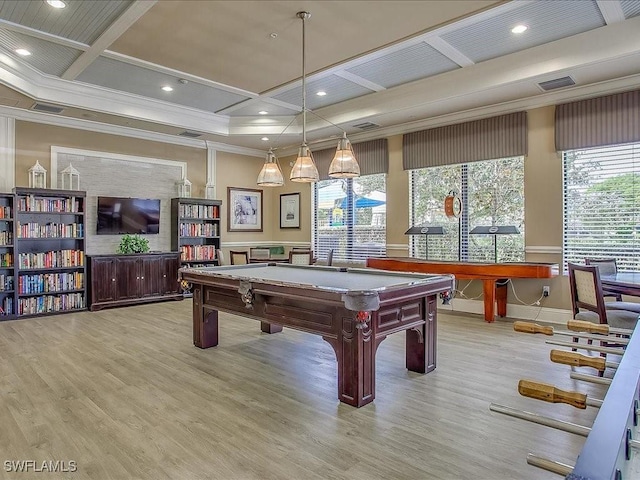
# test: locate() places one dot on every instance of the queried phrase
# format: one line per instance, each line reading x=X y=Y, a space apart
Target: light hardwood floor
x=125 y=394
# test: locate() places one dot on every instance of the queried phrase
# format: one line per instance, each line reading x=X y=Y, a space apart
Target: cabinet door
x=151 y=280
x=170 y=274
x=128 y=282
x=103 y=280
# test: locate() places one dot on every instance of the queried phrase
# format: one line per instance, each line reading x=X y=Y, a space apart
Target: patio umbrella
x=363 y=202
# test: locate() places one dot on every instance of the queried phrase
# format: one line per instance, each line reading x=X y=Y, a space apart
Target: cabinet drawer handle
x=164 y=276
x=137 y=278
x=113 y=279
x=142 y=278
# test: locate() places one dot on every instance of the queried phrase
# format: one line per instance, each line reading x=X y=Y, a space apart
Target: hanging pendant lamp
x=270 y=175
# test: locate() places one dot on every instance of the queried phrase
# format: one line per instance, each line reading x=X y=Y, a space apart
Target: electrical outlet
x=545 y=291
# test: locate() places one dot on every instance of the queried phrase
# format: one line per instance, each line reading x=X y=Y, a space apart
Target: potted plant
x=133 y=244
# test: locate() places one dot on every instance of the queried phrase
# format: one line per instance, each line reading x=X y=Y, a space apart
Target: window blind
x=602 y=205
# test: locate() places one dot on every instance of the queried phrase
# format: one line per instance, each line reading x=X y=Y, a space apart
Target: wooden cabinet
x=118 y=280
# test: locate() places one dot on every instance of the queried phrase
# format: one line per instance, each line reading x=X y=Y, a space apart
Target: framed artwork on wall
x=290 y=210
x=244 y=210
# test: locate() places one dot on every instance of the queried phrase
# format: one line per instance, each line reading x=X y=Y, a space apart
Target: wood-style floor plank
x=125 y=394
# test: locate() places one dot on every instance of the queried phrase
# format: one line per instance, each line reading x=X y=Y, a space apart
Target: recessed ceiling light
x=24 y=52
x=519 y=29
x=56 y=3
x=321 y=93
x=167 y=88
x=265 y=139
x=263 y=112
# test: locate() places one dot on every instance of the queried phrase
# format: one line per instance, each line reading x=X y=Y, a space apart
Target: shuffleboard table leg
x=489 y=292
x=270 y=327
x=501 y=296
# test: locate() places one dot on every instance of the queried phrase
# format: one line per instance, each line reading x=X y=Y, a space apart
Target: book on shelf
x=53 y=259
x=197 y=252
x=209 y=212
x=50 y=205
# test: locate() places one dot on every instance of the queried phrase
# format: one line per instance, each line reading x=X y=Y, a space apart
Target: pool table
x=494 y=276
x=352 y=309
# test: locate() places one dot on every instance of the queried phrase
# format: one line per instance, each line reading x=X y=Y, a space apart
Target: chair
x=588 y=302
x=607 y=266
x=259 y=254
x=220 y=257
x=239 y=258
x=330 y=257
x=301 y=257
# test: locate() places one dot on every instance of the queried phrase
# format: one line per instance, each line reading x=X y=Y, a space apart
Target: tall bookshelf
x=195 y=230
x=50 y=266
x=7 y=257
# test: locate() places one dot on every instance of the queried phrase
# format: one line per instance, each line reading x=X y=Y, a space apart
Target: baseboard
x=516 y=312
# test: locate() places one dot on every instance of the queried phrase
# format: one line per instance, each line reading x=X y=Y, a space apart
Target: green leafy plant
x=133 y=244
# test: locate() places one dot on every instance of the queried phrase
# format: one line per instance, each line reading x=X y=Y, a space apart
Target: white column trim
x=7 y=154
x=212 y=170
x=550 y=249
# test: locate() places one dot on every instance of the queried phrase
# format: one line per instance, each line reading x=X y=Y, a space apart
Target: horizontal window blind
x=602 y=205
x=350 y=218
x=492 y=194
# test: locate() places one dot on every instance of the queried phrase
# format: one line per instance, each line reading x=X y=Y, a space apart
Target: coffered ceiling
x=386 y=66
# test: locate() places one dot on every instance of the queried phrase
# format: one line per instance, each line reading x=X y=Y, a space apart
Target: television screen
x=128 y=215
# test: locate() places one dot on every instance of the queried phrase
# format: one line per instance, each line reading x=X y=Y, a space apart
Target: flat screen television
x=117 y=215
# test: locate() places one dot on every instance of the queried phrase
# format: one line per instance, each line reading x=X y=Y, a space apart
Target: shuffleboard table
x=354 y=310
x=494 y=276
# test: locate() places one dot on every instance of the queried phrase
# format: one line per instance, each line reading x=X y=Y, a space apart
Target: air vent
x=43 y=107
x=190 y=134
x=366 y=126
x=556 y=83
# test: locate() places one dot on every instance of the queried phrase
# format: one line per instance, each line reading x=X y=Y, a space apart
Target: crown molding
x=225 y=147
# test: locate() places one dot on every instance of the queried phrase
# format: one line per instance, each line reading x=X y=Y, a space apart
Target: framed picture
x=244 y=210
x=290 y=210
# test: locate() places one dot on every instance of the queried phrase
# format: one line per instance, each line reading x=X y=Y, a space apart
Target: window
x=602 y=204
x=350 y=218
x=492 y=194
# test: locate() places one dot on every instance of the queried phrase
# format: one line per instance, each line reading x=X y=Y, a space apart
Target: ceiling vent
x=366 y=125
x=556 y=83
x=190 y=134
x=43 y=107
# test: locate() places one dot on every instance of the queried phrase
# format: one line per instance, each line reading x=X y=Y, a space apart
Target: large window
x=350 y=218
x=602 y=204
x=492 y=194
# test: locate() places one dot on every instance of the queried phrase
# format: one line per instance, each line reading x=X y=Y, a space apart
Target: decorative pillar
x=210 y=188
x=7 y=154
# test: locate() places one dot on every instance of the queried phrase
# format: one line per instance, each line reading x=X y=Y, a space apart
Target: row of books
x=6 y=282
x=50 y=282
x=6 y=307
x=199 y=211
x=5 y=212
x=199 y=230
x=6 y=259
x=50 y=230
x=55 y=259
x=6 y=237
x=197 y=252
x=55 y=205
x=51 y=303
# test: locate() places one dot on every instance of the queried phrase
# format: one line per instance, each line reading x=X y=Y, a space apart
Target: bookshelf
x=49 y=251
x=7 y=256
x=195 y=230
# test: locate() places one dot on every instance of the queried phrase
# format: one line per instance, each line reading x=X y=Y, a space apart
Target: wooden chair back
x=301 y=257
x=220 y=257
x=259 y=254
x=586 y=290
x=239 y=258
x=607 y=266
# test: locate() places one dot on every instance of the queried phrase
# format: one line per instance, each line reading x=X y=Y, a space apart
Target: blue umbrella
x=362 y=202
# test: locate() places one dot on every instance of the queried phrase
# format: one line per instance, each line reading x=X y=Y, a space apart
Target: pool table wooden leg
x=355 y=350
x=421 y=341
x=489 y=292
x=205 y=322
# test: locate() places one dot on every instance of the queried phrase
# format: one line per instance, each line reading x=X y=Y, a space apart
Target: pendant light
x=270 y=175
x=344 y=163
x=304 y=170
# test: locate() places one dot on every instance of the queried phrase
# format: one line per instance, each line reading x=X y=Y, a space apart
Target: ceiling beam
x=110 y=35
x=611 y=11
x=449 y=51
